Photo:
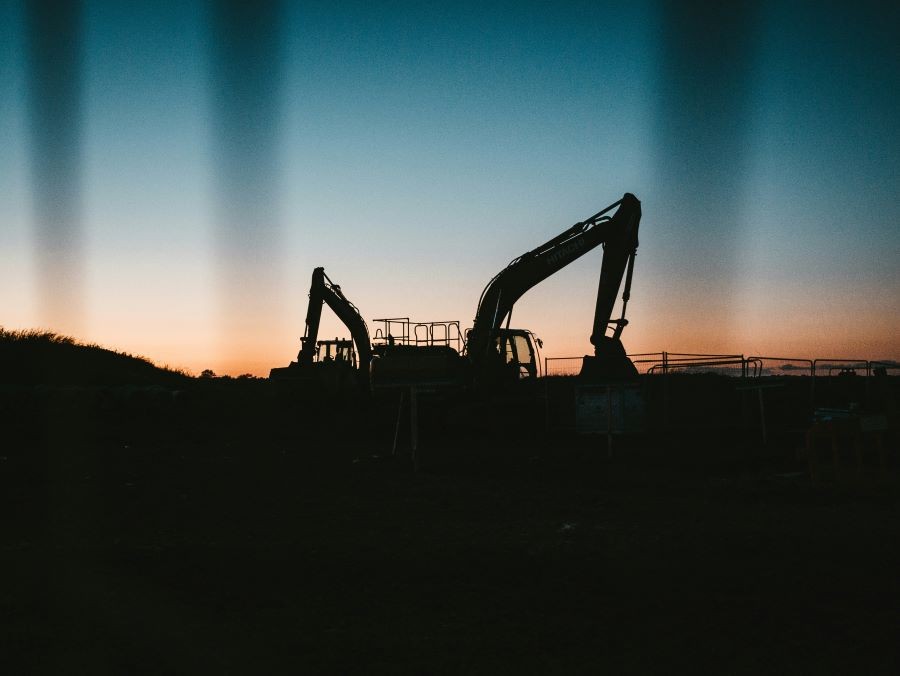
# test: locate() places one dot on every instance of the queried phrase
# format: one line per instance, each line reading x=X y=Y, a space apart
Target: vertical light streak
x=54 y=42
x=707 y=59
x=246 y=84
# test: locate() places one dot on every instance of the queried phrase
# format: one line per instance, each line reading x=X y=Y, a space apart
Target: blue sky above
x=413 y=152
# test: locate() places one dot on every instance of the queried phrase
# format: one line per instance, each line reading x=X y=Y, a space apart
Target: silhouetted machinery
x=498 y=353
x=492 y=354
x=418 y=353
x=330 y=361
x=402 y=353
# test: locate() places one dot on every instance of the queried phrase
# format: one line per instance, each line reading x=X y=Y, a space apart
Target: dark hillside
x=44 y=358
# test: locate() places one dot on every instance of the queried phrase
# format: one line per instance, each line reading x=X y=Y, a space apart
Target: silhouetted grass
x=37 y=357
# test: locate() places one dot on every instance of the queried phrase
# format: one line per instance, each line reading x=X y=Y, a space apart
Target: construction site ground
x=237 y=553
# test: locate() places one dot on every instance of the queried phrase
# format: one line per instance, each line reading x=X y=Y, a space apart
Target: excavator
x=333 y=361
x=494 y=353
x=500 y=354
x=402 y=352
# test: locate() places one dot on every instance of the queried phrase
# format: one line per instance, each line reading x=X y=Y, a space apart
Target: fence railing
x=782 y=366
x=725 y=364
x=562 y=366
x=655 y=363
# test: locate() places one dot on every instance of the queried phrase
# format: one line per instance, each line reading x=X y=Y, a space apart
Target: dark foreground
x=231 y=557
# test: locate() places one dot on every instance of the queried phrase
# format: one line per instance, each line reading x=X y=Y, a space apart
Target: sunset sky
x=171 y=172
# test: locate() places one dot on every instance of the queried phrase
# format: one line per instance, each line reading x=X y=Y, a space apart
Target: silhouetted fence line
x=783 y=366
x=886 y=365
x=791 y=388
x=840 y=366
x=657 y=363
x=562 y=366
x=725 y=364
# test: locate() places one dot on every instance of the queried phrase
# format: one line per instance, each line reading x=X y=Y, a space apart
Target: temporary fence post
x=609 y=422
x=414 y=425
x=665 y=356
x=812 y=386
x=397 y=425
x=546 y=406
x=868 y=373
x=762 y=416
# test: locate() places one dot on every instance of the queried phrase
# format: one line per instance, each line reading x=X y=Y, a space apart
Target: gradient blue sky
x=221 y=153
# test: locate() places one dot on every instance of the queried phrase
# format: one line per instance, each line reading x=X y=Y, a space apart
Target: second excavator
x=402 y=352
x=332 y=361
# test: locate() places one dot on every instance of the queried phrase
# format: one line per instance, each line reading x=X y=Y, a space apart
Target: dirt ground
x=230 y=557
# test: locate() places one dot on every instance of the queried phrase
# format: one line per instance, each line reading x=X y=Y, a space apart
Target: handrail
x=420 y=333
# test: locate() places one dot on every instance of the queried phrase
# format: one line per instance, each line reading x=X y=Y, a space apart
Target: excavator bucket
x=609 y=362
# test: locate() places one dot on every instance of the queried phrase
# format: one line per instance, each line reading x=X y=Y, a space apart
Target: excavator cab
x=517 y=353
x=332 y=369
x=337 y=350
x=514 y=355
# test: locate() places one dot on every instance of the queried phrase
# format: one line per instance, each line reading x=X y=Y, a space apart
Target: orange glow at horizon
x=198 y=348
x=173 y=320
x=194 y=347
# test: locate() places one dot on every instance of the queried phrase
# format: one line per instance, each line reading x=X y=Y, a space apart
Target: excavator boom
x=618 y=234
x=323 y=290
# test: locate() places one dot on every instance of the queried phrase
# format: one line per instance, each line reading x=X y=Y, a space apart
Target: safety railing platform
x=403 y=331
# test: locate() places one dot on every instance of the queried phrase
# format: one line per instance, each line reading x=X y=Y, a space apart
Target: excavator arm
x=323 y=290
x=617 y=232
